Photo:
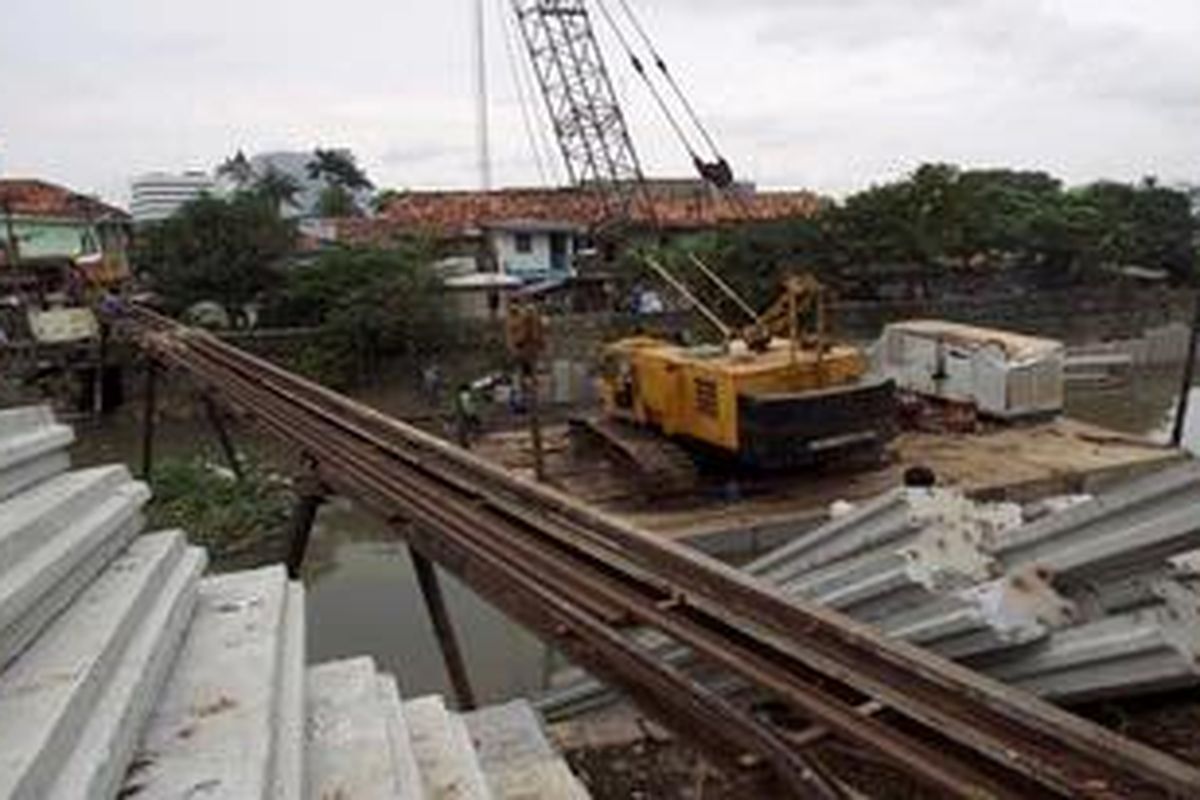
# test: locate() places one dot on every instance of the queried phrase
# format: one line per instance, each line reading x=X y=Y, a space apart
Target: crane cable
x=535 y=145
x=640 y=69
x=661 y=64
x=716 y=171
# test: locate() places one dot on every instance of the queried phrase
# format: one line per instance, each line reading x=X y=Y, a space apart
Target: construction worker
x=466 y=415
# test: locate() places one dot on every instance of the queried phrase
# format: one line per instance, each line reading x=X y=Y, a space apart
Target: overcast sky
x=826 y=94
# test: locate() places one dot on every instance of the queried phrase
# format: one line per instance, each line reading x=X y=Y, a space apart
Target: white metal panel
x=1004 y=374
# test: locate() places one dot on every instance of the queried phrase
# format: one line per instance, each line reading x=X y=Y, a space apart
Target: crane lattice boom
x=588 y=122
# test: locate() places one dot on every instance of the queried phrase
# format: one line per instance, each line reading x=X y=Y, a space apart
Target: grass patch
x=241 y=523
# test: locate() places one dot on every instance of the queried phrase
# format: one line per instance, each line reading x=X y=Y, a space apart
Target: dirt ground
x=653 y=766
x=1013 y=462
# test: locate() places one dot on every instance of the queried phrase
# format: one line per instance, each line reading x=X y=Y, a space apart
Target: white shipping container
x=1004 y=374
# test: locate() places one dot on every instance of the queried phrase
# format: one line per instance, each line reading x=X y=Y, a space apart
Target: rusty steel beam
x=571 y=574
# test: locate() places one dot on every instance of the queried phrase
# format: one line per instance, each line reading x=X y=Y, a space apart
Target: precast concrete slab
x=445 y=756
x=35 y=575
x=347 y=739
x=1135 y=504
x=1144 y=651
x=98 y=763
x=878 y=521
x=48 y=693
x=213 y=732
x=517 y=760
x=1124 y=593
x=289 y=713
x=1113 y=551
x=893 y=578
x=408 y=774
x=33 y=448
x=1011 y=611
x=30 y=519
x=897 y=519
x=17 y=636
x=22 y=475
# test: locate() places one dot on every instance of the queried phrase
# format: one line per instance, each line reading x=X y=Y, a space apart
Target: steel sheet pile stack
x=1095 y=598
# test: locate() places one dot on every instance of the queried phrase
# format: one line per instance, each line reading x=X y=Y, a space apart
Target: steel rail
x=691 y=584
x=977 y=711
x=920 y=759
x=655 y=685
x=501 y=545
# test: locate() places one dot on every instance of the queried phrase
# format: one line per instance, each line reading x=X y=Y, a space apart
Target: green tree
x=941 y=217
x=276 y=188
x=238 y=170
x=343 y=177
x=338 y=168
x=369 y=303
x=337 y=201
x=226 y=251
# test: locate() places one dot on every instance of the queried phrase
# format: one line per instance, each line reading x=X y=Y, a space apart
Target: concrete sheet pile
x=33 y=446
x=1074 y=599
x=1126 y=560
x=124 y=671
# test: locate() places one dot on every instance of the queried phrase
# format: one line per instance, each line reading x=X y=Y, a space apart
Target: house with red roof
x=536 y=234
x=45 y=227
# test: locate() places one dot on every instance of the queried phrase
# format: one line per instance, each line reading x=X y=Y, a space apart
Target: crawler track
x=581 y=579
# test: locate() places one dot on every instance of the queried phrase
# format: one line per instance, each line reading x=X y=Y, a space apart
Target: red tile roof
x=35 y=198
x=458 y=213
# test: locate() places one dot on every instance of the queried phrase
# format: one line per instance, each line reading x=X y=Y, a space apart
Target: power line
x=522 y=96
x=640 y=69
x=661 y=63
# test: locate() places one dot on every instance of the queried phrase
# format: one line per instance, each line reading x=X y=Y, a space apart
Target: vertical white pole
x=481 y=100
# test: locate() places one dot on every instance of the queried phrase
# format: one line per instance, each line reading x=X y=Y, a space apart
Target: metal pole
x=300 y=529
x=529 y=373
x=481 y=100
x=98 y=378
x=1189 y=375
x=443 y=628
x=148 y=411
x=218 y=426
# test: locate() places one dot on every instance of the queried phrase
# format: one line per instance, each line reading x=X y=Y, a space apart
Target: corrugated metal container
x=1004 y=374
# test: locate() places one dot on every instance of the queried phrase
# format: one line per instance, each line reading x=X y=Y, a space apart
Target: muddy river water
x=362 y=592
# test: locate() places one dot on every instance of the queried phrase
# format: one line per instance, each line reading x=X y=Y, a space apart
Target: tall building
x=158 y=195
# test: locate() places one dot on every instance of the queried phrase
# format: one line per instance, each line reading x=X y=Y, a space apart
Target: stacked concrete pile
x=1090 y=599
x=125 y=672
x=1126 y=562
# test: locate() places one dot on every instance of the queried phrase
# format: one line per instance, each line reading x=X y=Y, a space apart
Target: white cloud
x=831 y=94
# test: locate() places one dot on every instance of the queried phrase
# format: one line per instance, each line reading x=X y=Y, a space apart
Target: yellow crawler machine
x=777 y=395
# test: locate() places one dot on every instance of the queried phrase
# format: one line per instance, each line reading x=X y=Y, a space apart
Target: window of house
x=524 y=243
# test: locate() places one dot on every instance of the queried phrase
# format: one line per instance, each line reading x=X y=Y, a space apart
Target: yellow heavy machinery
x=778 y=393
x=773 y=394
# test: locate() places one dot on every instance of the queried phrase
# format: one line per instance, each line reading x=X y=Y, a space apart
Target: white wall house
x=158 y=195
x=534 y=250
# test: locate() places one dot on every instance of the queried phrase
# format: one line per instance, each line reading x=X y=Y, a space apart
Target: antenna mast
x=481 y=100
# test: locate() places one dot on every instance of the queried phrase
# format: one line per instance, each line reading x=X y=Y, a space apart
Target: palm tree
x=237 y=169
x=338 y=168
x=277 y=188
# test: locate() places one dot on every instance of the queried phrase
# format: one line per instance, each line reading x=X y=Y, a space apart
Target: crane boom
x=588 y=122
